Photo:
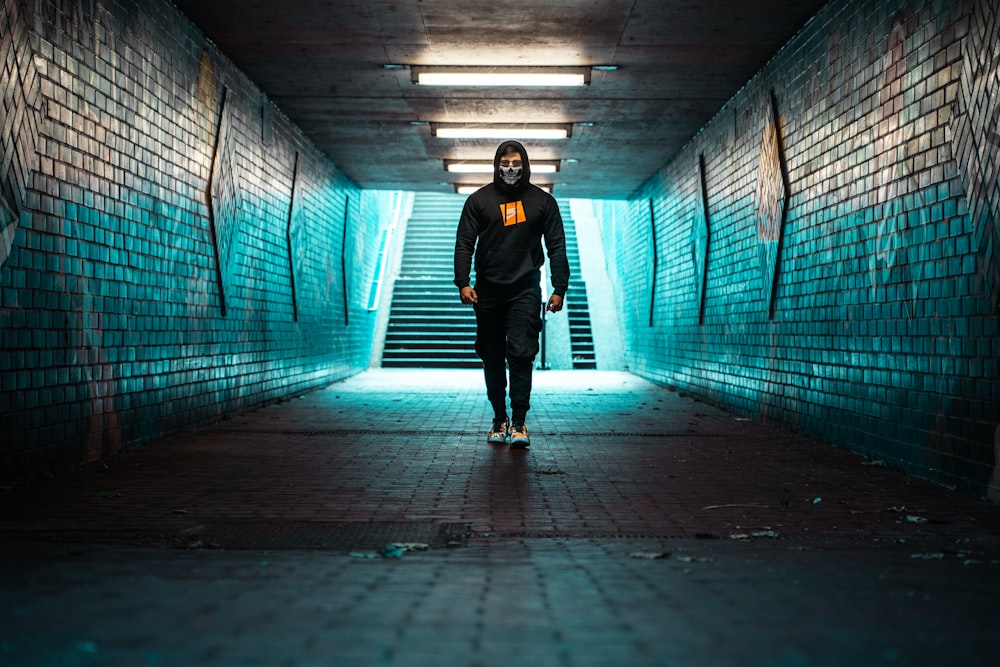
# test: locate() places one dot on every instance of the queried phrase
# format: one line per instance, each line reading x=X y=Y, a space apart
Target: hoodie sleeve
x=465 y=244
x=555 y=248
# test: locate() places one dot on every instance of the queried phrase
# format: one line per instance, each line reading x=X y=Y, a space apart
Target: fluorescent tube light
x=469 y=167
x=500 y=76
x=499 y=79
x=500 y=131
x=466 y=189
x=472 y=167
x=488 y=133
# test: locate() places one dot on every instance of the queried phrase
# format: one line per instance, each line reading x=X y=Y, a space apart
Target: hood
x=525 y=174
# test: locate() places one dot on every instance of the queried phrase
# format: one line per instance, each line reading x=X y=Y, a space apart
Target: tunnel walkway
x=641 y=528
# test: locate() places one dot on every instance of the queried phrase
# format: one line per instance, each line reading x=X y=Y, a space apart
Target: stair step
x=422 y=324
x=430 y=325
x=459 y=347
x=453 y=337
x=425 y=352
x=448 y=336
x=437 y=306
x=421 y=317
x=430 y=363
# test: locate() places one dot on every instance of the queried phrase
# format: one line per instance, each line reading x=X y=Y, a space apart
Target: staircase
x=581 y=338
x=428 y=326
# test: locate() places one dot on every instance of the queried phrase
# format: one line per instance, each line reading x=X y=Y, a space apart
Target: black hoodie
x=505 y=225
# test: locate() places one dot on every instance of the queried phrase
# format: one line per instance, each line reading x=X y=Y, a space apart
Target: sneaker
x=499 y=432
x=519 y=437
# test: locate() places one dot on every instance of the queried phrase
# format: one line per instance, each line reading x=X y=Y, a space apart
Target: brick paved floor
x=255 y=541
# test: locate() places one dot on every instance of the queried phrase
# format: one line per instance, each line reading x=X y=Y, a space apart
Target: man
x=504 y=223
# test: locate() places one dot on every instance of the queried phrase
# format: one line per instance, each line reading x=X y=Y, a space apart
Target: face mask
x=510 y=175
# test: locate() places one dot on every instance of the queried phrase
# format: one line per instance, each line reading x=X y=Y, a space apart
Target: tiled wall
x=156 y=269
x=848 y=286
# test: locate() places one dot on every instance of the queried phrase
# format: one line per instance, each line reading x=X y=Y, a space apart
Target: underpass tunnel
x=242 y=417
x=820 y=255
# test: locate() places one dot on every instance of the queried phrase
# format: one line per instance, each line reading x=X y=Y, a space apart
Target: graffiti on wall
x=656 y=263
x=21 y=102
x=976 y=138
x=104 y=434
x=293 y=232
x=897 y=199
x=225 y=203
x=8 y=229
x=700 y=239
x=772 y=202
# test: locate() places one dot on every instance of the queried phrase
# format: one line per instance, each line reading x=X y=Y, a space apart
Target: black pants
x=508 y=321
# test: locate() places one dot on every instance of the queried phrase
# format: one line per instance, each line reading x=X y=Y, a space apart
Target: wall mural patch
x=293 y=233
x=225 y=203
x=772 y=202
x=21 y=102
x=700 y=240
x=897 y=198
x=656 y=263
x=976 y=137
x=8 y=228
x=343 y=262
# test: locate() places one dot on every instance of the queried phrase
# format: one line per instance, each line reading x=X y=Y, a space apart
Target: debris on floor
x=758 y=533
x=649 y=555
x=695 y=559
x=393 y=550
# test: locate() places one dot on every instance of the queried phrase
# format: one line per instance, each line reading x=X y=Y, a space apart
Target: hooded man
x=504 y=224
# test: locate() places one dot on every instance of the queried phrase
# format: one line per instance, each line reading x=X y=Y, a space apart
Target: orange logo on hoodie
x=512 y=212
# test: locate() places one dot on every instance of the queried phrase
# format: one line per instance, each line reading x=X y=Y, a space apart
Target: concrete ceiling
x=323 y=63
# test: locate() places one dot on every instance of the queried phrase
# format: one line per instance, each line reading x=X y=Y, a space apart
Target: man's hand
x=468 y=295
x=555 y=304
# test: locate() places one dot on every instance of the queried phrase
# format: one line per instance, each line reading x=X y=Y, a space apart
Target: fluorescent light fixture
x=500 y=76
x=468 y=167
x=500 y=131
x=482 y=167
x=466 y=189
